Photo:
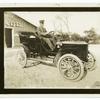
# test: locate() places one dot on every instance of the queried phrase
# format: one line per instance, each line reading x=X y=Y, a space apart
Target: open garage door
x=8 y=37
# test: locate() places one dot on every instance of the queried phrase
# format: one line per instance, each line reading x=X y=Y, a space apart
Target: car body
x=71 y=58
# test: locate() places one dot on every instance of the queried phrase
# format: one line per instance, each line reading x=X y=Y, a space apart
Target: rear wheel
x=21 y=58
x=71 y=67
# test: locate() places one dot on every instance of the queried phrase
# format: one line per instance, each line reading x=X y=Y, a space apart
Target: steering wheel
x=51 y=33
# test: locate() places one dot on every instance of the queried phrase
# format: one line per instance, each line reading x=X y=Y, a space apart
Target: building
x=13 y=25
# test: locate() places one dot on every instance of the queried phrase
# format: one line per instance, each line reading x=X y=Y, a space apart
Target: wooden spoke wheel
x=21 y=58
x=71 y=67
x=90 y=65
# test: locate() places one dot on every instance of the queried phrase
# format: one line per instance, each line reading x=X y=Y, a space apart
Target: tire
x=71 y=67
x=21 y=59
x=26 y=50
x=90 y=65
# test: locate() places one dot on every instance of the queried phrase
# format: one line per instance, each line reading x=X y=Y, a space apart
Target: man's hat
x=41 y=21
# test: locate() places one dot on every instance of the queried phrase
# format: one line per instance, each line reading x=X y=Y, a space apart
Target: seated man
x=42 y=33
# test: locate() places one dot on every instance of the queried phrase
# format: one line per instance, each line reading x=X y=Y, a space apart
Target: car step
x=42 y=61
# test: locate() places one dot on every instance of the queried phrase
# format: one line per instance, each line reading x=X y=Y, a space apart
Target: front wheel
x=90 y=65
x=71 y=67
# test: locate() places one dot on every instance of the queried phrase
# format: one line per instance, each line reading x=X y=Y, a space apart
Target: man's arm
x=42 y=32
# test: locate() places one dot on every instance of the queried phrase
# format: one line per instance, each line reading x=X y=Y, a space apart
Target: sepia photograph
x=51 y=50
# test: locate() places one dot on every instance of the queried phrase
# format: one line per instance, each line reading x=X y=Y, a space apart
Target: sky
x=77 y=22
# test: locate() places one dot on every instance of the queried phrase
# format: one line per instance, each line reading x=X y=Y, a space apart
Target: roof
x=24 y=19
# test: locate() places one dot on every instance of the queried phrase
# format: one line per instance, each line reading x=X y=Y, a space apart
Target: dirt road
x=44 y=76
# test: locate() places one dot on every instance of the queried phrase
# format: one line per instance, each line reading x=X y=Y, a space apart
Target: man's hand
x=46 y=35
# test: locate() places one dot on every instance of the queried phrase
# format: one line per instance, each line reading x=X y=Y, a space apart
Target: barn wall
x=17 y=25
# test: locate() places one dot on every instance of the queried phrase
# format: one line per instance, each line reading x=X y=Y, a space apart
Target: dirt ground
x=44 y=76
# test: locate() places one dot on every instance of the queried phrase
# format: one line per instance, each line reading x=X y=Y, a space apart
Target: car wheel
x=71 y=67
x=26 y=49
x=21 y=58
x=90 y=65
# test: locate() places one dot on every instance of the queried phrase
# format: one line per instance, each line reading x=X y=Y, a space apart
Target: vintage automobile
x=71 y=58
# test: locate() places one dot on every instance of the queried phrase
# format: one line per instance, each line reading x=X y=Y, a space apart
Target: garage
x=13 y=25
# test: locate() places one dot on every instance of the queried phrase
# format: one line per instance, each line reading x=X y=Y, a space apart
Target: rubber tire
x=79 y=61
x=94 y=65
x=20 y=54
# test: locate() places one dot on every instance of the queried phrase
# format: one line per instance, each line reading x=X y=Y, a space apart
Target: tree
x=91 y=35
x=75 y=37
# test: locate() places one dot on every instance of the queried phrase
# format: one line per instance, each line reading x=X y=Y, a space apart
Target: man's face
x=41 y=24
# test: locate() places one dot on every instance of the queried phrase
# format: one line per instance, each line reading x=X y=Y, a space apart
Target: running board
x=42 y=61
